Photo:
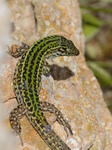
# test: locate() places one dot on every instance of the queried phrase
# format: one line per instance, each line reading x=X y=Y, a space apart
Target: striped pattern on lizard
x=27 y=81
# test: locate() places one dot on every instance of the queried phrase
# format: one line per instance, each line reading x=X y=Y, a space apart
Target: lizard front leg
x=46 y=69
x=45 y=106
x=16 y=50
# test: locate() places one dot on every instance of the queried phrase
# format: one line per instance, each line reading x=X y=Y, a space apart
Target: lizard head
x=68 y=48
x=60 y=46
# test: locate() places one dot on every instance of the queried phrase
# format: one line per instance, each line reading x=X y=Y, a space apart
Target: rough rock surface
x=72 y=87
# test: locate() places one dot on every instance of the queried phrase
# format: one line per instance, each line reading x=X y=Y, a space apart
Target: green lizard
x=27 y=81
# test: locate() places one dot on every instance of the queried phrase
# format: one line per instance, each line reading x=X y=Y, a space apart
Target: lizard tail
x=47 y=134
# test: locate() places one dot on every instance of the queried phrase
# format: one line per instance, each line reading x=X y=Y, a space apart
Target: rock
x=72 y=88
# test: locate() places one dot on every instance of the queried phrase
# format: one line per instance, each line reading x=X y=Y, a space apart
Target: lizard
x=27 y=80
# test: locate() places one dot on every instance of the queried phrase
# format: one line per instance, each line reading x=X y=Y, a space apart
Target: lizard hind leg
x=14 y=117
x=45 y=106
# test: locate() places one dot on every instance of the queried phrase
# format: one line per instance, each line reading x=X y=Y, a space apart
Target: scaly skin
x=27 y=83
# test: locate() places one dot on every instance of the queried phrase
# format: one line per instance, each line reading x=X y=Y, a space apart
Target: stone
x=72 y=87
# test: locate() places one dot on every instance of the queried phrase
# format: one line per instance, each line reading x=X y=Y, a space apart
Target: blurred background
x=97 y=27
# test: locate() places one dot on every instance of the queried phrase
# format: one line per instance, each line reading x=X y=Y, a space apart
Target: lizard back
x=27 y=83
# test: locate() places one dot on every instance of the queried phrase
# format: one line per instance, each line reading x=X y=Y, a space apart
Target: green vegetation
x=97 y=27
